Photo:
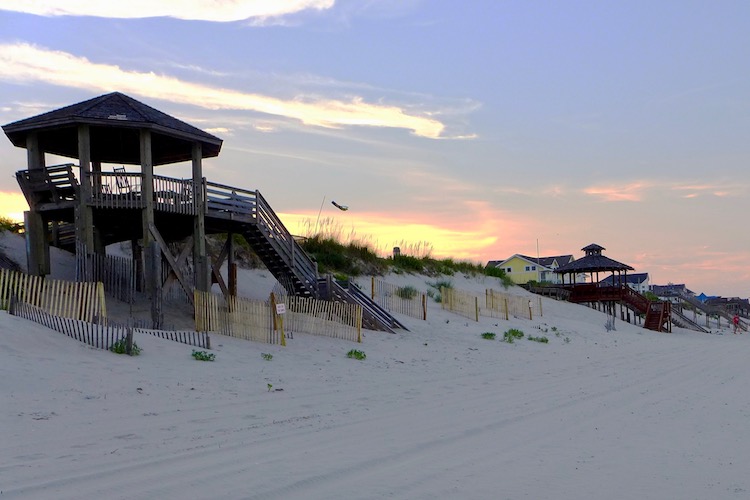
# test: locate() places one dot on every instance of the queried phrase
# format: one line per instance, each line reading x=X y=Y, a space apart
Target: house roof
x=633 y=279
x=542 y=261
x=115 y=122
x=670 y=289
x=593 y=261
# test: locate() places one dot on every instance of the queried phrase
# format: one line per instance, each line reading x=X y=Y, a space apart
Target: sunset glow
x=474 y=131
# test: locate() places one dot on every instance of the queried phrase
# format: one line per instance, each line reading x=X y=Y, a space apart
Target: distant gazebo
x=593 y=263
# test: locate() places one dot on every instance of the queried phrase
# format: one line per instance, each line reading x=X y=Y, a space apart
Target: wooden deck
x=117 y=205
x=657 y=314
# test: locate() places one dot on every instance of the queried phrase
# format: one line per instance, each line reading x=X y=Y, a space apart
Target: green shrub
x=488 y=336
x=356 y=354
x=408 y=263
x=121 y=347
x=7 y=224
x=541 y=340
x=407 y=292
x=511 y=335
x=266 y=356
x=437 y=285
x=203 y=355
x=494 y=271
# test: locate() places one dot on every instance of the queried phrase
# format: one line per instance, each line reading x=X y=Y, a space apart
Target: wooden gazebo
x=112 y=128
x=592 y=264
x=84 y=208
x=657 y=315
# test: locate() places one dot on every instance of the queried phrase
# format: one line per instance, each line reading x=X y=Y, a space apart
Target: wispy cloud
x=625 y=192
x=25 y=63
x=204 y=10
x=719 y=190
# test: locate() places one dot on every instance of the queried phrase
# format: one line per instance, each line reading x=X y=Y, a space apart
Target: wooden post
x=147 y=194
x=530 y=309
x=200 y=260
x=157 y=314
x=424 y=307
x=231 y=266
x=137 y=251
x=37 y=244
x=129 y=341
x=85 y=223
x=37 y=247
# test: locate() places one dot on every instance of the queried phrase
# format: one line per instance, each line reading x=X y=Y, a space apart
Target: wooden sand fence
x=321 y=317
x=259 y=321
x=399 y=299
x=96 y=335
x=494 y=304
x=116 y=273
x=460 y=302
x=66 y=299
x=189 y=337
x=235 y=317
x=503 y=305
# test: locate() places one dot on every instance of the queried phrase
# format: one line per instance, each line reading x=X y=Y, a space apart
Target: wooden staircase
x=659 y=317
x=374 y=317
x=657 y=314
x=249 y=214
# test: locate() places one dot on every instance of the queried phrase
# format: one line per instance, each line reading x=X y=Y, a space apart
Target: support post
x=84 y=222
x=231 y=266
x=157 y=314
x=200 y=259
x=37 y=244
x=147 y=192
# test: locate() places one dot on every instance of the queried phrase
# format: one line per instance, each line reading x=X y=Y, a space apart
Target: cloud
x=719 y=190
x=203 y=10
x=627 y=192
x=25 y=63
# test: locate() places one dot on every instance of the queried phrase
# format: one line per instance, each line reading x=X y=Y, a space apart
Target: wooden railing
x=594 y=293
x=227 y=202
x=634 y=299
x=285 y=245
x=125 y=190
x=230 y=202
x=55 y=184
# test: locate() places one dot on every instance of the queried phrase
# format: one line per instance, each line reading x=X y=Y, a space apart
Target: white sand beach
x=433 y=412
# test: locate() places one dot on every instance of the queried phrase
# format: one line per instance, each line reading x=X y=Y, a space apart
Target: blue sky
x=479 y=127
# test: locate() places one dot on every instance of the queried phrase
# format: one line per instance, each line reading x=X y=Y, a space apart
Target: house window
x=508 y=269
x=533 y=268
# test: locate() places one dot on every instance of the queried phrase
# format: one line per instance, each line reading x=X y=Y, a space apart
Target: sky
x=478 y=129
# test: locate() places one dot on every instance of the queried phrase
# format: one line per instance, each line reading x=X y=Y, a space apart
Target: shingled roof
x=593 y=261
x=115 y=120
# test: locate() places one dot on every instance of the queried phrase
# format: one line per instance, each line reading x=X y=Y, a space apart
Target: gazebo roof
x=593 y=261
x=115 y=122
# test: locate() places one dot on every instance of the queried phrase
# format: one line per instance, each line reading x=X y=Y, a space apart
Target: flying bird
x=340 y=207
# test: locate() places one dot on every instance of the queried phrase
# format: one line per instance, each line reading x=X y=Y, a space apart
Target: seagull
x=340 y=207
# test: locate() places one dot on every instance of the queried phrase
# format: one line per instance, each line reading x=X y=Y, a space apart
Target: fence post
x=156 y=288
x=424 y=307
x=476 y=308
x=129 y=341
x=530 y=309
